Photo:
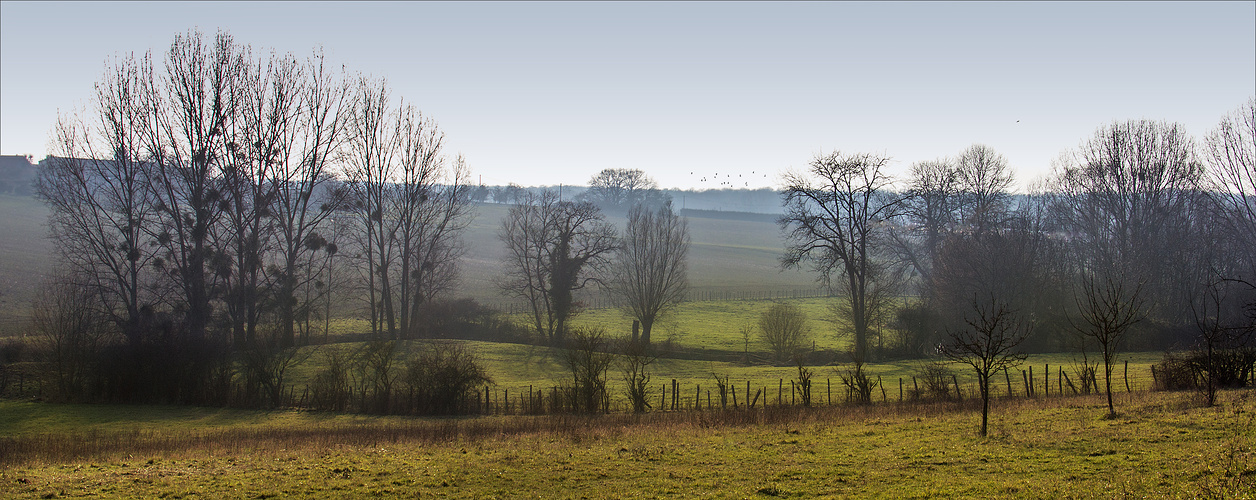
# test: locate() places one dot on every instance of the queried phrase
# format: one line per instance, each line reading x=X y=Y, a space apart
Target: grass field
x=1163 y=445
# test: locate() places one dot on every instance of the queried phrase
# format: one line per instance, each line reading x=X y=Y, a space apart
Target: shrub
x=443 y=379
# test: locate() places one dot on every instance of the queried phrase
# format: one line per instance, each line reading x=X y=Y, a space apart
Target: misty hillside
x=732 y=251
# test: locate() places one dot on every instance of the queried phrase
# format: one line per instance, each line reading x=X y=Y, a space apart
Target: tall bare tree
x=553 y=249
x=100 y=206
x=1127 y=196
x=302 y=201
x=1231 y=179
x=988 y=345
x=833 y=216
x=193 y=106
x=412 y=206
x=929 y=213
x=649 y=273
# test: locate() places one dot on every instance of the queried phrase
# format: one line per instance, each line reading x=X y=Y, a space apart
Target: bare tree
x=783 y=327
x=982 y=180
x=588 y=360
x=635 y=360
x=832 y=216
x=622 y=189
x=929 y=215
x=71 y=332
x=988 y=345
x=193 y=108
x=100 y=207
x=554 y=248
x=1232 y=178
x=412 y=206
x=1124 y=196
x=1107 y=310
x=302 y=201
x=649 y=273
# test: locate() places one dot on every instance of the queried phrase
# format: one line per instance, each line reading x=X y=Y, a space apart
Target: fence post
x=915 y=387
x=748 y=393
x=1046 y=380
x=828 y=390
x=1028 y=393
x=1127 y=376
x=1009 y=381
x=900 y=389
x=882 y=384
x=958 y=395
x=780 y=388
x=1032 y=389
x=1155 y=382
x=697 y=397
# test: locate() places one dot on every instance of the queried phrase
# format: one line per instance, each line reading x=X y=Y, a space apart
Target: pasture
x=1162 y=445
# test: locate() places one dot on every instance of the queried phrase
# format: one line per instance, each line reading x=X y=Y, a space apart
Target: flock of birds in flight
x=730 y=182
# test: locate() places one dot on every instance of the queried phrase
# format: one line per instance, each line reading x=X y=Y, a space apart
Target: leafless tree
x=833 y=215
x=1107 y=308
x=989 y=345
x=783 y=327
x=635 y=360
x=554 y=248
x=929 y=215
x=1231 y=177
x=71 y=332
x=100 y=206
x=1222 y=355
x=193 y=107
x=982 y=181
x=621 y=189
x=302 y=201
x=588 y=360
x=1126 y=196
x=649 y=273
x=411 y=204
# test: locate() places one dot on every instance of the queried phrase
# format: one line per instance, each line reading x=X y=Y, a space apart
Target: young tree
x=554 y=248
x=988 y=345
x=783 y=327
x=1107 y=311
x=588 y=360
x=649 y=273
x=832 y=217
x=635 y=360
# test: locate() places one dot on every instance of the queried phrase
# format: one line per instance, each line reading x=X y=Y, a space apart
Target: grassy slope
x=1162 y=446
x=726 y=255
x=25 y=255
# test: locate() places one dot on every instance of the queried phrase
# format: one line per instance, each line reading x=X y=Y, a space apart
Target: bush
x=443 y=379
x=936 y=378
x=329 y=391
x=784 y=329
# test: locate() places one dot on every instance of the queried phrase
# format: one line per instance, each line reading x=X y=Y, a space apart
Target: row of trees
x=1137 y=240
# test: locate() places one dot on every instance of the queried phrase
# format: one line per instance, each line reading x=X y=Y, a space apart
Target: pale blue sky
x=548 y=93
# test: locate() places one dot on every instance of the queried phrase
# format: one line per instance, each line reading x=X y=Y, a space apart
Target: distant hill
x=17 y=175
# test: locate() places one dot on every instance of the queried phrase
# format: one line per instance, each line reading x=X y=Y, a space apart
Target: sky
x=695 y=94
